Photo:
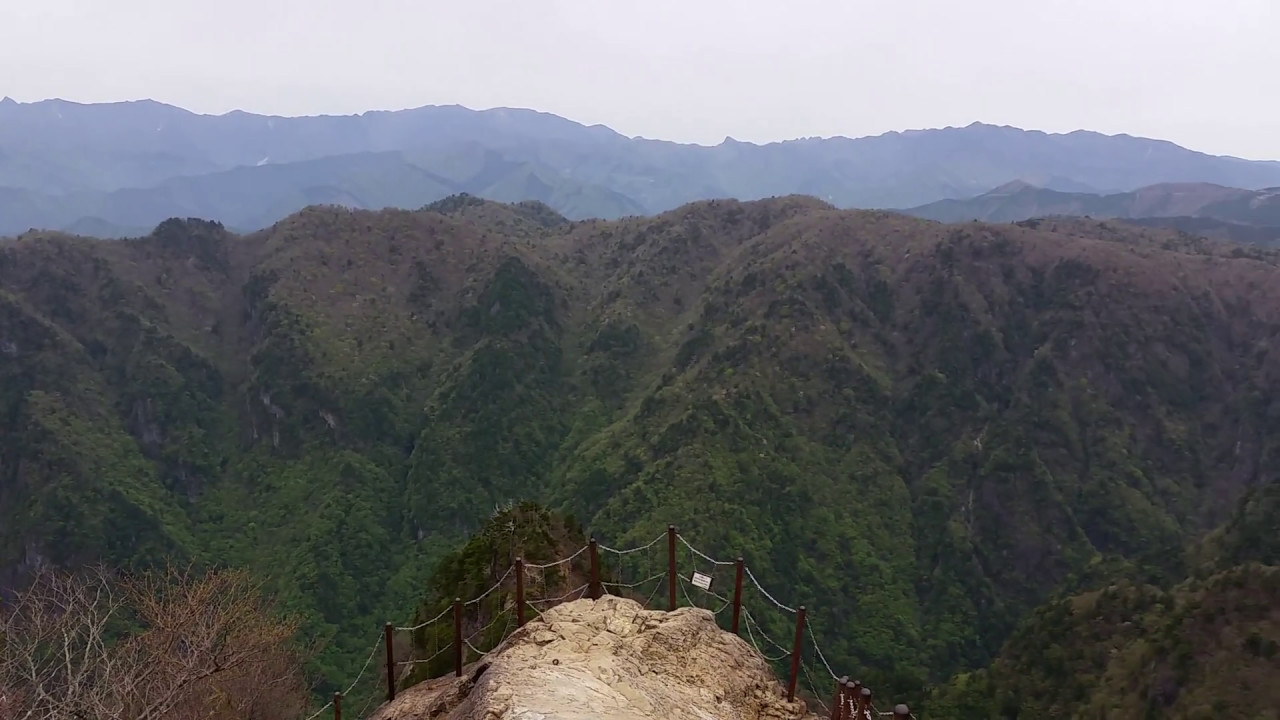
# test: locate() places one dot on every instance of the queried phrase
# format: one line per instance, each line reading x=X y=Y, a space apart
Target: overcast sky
x=1200 y=73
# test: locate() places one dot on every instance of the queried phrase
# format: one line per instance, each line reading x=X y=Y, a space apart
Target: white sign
x=702 y=581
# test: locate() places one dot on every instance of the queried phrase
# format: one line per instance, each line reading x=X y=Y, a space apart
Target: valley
x=936 y=429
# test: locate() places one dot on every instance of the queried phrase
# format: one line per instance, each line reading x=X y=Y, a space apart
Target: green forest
x=1010 y=468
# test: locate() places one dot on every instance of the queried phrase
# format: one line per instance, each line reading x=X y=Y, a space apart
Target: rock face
x=608 y=659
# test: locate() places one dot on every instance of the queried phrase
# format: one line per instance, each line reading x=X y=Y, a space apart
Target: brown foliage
x=171 y=644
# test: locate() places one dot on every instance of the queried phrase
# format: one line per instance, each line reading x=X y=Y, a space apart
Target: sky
x=1199 y=73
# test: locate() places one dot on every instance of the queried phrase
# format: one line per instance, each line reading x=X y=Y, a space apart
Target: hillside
x=135 y=164
x=1237 y=233
x=930 y=430
x=1020 y=201
x=1204 y=647
x=1207 y=648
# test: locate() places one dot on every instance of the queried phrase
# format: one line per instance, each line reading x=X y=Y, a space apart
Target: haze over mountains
x=1200 y=207
x=121 y=168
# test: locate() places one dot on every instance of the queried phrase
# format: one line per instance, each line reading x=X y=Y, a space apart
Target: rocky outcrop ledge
x=607 y=659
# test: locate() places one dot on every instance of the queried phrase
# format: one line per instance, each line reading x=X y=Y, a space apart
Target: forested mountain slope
x=922 y=431
x=1208 y=648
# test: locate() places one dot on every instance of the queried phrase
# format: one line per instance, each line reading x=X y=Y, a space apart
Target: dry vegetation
x=171 y=645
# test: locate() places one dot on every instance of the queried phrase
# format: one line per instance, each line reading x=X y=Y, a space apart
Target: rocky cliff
x=608 y=659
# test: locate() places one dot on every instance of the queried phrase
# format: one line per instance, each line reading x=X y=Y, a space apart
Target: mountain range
x=118 y=169
x=1232 y=213
x=930 y=435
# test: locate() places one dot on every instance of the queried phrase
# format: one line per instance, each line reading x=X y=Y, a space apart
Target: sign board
x=701 y=581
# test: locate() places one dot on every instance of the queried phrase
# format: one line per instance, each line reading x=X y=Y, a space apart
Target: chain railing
x=851 y=700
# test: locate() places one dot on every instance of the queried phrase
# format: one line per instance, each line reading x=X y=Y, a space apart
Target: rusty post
x=595 y=569
x=737 y=594
x=795 y=655
x=671 y=567
x=457 y=637
x=337 y=706
x=864 y=702
x=520 y=591
x=837 y=701
x=901 y=711
x=387 y=630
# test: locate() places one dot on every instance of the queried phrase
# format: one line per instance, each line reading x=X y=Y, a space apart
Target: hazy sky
x=1201 y=73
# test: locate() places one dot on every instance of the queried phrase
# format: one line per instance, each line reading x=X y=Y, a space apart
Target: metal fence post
x=595 y=569
x=520 y=591
x=387 y=631
x=457 y=637
x=837 y=701
x=795 y=655
x=737 y=594
x=671 y=567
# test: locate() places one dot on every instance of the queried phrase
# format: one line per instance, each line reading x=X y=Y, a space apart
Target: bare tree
x=165 y=645
x=54 y=661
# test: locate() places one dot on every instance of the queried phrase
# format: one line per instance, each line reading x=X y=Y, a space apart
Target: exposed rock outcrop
x=608 y=659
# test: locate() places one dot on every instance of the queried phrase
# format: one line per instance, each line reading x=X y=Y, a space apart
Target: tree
x=168 y=645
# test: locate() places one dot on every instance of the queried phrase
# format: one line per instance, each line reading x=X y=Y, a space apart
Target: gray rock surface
x=608 y=659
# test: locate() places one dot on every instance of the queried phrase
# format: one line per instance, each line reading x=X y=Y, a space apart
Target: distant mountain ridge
x=133 y=164
x=1016 y=201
